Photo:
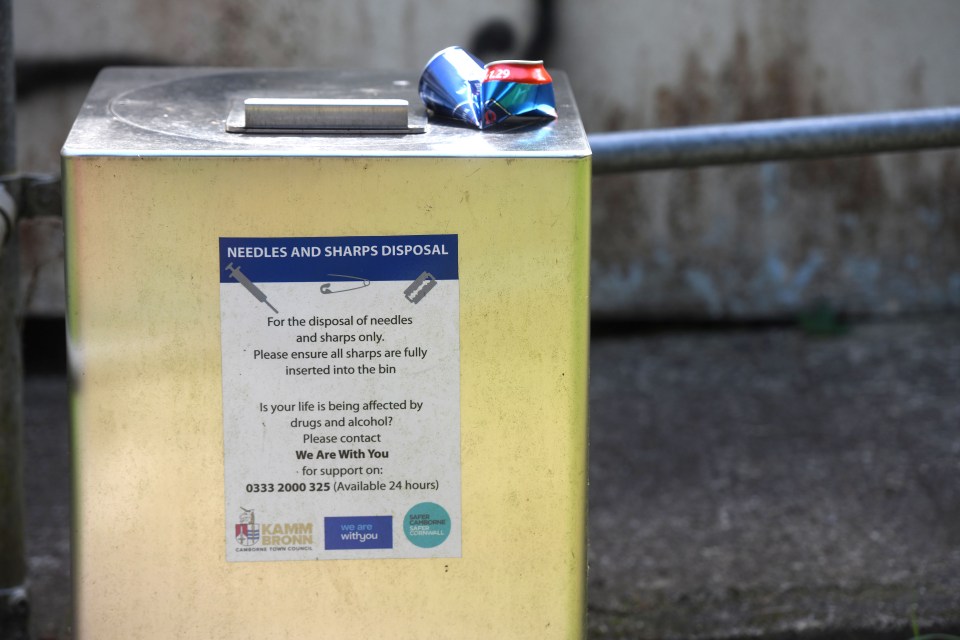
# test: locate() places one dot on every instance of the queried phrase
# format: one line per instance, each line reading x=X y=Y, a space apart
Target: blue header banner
x=344 y=258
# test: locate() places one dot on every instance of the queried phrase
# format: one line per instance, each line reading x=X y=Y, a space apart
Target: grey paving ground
x=743 y=484
x=776 y=485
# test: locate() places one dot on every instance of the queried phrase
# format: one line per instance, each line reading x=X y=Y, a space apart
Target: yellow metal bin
x=325 y=385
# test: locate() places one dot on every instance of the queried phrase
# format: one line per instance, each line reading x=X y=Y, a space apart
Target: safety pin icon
x=325 y=287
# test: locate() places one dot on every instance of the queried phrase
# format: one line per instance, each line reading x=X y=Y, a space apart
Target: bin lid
x=191 y=111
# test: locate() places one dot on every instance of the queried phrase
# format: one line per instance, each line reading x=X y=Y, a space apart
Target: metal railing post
x=13 y=569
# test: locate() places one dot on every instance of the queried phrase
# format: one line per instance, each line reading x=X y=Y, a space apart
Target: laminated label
x=341 y=397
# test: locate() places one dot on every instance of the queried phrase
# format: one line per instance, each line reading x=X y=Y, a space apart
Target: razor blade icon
x=420 y=287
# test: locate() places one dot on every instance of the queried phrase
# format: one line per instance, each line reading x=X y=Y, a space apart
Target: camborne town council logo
x=247 y=530
x=275 y=536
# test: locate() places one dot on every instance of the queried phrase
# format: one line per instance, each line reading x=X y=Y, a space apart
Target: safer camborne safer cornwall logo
x=249 y=532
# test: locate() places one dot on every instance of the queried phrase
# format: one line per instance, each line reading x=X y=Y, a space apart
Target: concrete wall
x=875 y=235
x=872 y=235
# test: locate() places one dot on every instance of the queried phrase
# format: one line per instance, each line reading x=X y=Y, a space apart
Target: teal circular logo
x=426 y=525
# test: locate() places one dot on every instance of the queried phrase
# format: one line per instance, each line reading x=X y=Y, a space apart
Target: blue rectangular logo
x=358 y=532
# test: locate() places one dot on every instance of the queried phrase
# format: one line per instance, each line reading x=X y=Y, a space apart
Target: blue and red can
x=455 y=84
x=520 y=89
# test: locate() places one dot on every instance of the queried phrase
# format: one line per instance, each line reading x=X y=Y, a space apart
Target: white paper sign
x=341 y=397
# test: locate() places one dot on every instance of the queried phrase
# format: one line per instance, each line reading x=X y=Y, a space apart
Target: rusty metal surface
x=874 y=235
x=877 y=235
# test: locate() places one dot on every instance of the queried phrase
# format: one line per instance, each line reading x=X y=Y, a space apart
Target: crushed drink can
x=455 y=84
x=450 y=86
x=519 y=89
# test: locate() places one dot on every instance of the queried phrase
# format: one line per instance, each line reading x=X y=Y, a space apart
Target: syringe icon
x=237 y=275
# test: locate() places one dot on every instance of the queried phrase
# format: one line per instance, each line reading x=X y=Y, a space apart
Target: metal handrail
x=790 y=139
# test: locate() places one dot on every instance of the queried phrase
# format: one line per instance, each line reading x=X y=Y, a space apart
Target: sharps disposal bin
x=329 y=361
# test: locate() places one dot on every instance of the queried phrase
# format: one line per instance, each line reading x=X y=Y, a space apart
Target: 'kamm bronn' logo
x=247 y=531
